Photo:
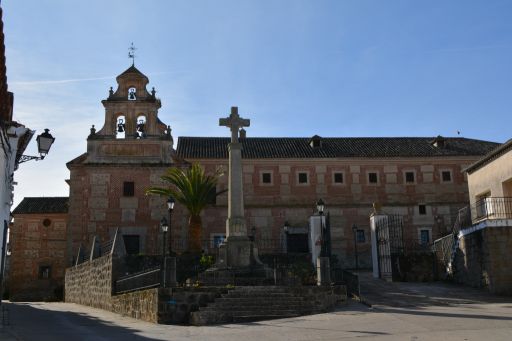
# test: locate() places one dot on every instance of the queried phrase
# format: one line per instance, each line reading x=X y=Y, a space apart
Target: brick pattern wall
x=33 y=246
x=483 y=260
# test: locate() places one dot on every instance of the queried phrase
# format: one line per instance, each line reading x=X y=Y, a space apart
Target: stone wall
x=142 y=305
x=90 y=283
x=483 y=259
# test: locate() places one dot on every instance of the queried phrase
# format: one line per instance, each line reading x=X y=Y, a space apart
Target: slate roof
x=332 y=147
x=42 y=205
x=493 y=155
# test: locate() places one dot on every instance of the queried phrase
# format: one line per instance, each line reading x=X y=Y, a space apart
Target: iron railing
x=150 y=278
x=349 y=278
x=264 y=245
x=492 y=208
x=489 y=208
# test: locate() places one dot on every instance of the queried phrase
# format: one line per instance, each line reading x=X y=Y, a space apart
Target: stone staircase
x=254 y=303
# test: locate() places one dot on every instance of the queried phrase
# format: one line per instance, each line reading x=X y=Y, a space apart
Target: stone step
x=258 y=294
x=227 y=307
x=230 y=303
x=258 y=317
x=265 y=300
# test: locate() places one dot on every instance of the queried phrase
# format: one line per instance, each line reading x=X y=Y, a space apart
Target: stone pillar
x=323 y=271
x=375 y=217
x=235 y=224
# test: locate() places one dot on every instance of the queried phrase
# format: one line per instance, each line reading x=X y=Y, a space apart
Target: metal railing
x=264 y=245
x=349 y=278
x=492 y=208
x=150 y=278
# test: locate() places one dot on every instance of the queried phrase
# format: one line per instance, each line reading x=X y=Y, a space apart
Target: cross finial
x=234 y=122
x=131 y=53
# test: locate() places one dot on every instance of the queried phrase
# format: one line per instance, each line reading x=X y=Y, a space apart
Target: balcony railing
x=490 y=208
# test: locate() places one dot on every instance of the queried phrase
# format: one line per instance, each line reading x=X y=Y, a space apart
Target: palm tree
x=195 y=190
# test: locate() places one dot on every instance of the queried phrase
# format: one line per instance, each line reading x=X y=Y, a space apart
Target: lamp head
x=170 y=203
x=164 y=225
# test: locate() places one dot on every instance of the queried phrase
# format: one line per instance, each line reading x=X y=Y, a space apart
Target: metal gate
x=389 y=246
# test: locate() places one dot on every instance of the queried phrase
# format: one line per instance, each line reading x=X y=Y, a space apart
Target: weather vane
x=131 y=53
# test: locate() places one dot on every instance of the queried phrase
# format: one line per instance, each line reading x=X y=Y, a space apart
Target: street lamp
x=320 y=205
x=354 y=230
x=44 y=143
x=164 y=226
x=286 y=229
x=170 y=208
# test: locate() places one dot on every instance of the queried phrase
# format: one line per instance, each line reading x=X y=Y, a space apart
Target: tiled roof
x=42 y=205
x=494 y=154
x=331 y=147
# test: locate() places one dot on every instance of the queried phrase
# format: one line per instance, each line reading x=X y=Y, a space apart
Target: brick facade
x=300 y=174
x=37 y=262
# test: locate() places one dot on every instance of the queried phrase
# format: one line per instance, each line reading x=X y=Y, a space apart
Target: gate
x=389 y=246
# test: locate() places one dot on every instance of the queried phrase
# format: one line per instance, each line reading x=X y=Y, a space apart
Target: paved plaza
x=465 y=319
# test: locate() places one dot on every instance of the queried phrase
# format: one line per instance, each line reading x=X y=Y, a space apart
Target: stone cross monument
x=236 y=252
x=235 y=224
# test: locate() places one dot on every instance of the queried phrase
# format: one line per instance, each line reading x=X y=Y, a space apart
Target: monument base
x=237 y=263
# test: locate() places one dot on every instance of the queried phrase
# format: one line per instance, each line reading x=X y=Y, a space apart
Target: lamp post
x=354 y=230
x=286 y=229
x=170 y=208
x=164 y=226
x=44 y=143
x=320 y=205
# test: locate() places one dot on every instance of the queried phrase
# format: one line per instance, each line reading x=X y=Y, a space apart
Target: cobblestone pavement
x=456 y=321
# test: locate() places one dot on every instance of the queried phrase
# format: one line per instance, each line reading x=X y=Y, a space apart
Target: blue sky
x=295 y=68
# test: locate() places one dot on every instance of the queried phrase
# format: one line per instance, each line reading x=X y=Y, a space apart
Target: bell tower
x=132 y=130
x=124 y=158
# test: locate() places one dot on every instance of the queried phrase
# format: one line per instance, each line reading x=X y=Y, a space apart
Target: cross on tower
x=234 y=122
x=131 y=53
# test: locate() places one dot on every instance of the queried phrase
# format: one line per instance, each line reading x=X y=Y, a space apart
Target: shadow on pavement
x=28 y=323
x=383 y=309
x=410 y=294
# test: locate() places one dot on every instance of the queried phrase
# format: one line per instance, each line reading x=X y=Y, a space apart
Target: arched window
x=132 y=94
x=121 y=127
x=141 y=126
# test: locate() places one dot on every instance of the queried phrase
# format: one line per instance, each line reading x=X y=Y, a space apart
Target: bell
x=120 y=128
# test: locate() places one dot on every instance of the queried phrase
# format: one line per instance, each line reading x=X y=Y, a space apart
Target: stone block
x=390 y=169
x=248 y=169
x=356 y=188
x=355 y=169
x=355 y=178
x=391 y=178
x=284 y=169
x=100 y=179
x=128 y=214
x=285 y=178
x=128 y=202
x=427 y=168
x=320 y=169
x=98 y=202
x=320 y=178
x=428 y=177
x=98 y=190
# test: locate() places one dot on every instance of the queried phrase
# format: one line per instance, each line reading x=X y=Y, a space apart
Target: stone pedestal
x=323 y=271
x=236 y=252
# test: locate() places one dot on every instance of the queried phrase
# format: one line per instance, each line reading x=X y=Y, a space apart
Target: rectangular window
x=425 y=237
x=338 y=178
x=422 y=209
x=360 y=237
x=45 y=272
x=131 y=244
x=128 y=188
x=266 y=178
x=217 y=240
x=303 y=178
x=372 y=178
x=409 y=177
x=446 y=176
